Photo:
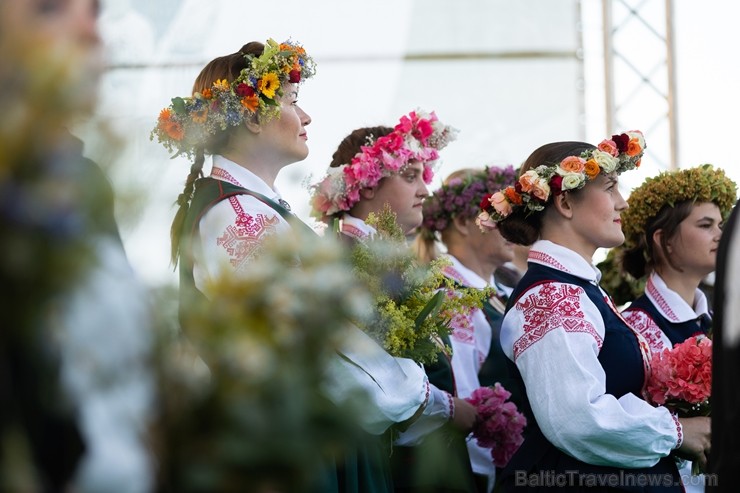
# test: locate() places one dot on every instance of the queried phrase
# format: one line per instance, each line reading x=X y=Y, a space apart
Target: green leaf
x=178 y=104
x=431 y=308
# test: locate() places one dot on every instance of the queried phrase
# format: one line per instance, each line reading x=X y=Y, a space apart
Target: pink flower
x=428 y=174
x=573 y=164
x=681 y=377
x=406 y=124
x=541 y=189
x=424 y=130
x=500 y=204
x=500 y=425
x=609 y=146
x=485 y=222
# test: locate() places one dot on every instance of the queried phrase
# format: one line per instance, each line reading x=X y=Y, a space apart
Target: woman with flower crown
x=372 y=169
x=581 y=365
x=672 y=229
x=473 y=256
x=244 y=113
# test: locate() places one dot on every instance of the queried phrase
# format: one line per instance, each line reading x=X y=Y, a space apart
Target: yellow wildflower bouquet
x=414 y=304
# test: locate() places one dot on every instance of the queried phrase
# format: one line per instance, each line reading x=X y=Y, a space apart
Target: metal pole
x=606 y=8
x=672 y=99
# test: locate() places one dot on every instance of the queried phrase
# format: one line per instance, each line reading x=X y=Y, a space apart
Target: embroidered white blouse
x=470 y=341
x=555 y=345
x=669 y=304
x=232 y=231
x=230 y=236
x=439 y=408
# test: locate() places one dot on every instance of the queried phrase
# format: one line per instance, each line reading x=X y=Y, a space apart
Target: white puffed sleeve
x=554 y=334
x=391 y=389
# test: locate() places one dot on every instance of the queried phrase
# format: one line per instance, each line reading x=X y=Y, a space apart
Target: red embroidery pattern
x=453 y=274
x=641 y=322
x=450 y=405
x=224 y=175
x=353 y=231
x=679 y=430
x=546 y=259
x=552 y=306
x=242 y=239
x=427 y=392
x=660 y=302
x=462 y=328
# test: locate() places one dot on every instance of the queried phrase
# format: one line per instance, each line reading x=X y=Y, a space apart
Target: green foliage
x=621 y=286
x=414 y=304
x=256 y=418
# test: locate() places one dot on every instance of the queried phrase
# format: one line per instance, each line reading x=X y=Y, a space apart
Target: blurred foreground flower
x=258 y=420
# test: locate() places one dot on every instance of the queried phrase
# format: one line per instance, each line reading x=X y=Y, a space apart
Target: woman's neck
x=471 y=261
x=683 y=283
x=266 y=172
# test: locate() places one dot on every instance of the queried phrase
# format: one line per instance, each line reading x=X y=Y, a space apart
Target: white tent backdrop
x=510 y=75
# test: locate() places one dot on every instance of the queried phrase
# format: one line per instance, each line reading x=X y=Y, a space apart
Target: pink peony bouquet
x=500 y=424
x=681 y=377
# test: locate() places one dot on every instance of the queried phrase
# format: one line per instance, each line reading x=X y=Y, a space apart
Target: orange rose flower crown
x=186 y=124
x=535 y=187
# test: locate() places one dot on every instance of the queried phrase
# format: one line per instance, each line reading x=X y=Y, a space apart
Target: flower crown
x=417 y=137
x=187 y=123
x=536 y=186
x=461 y=197
x=700 y=184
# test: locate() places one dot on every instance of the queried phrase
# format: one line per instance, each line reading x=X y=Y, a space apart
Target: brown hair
x=351 y=144
x=425 y=243
x=224 y=67
x=524 y=226
x=641 y=259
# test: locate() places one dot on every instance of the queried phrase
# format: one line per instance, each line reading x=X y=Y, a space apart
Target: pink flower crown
x=417 y=137
x=535 y=187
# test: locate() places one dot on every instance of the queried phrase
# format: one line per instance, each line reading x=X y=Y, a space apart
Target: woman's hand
x=465 y=415
x=696 y=440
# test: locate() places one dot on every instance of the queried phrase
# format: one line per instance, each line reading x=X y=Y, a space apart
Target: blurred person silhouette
x=581 y=365
x=672 y=228
x=509 y=274
x=724 y=459
x=374 y=168
x=474 y=256
x=76 y=337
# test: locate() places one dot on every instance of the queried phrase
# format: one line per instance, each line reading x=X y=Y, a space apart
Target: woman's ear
x=367 y=193
x=563 y=204
x=461 y=225
x=657 y=245
x=253 y=124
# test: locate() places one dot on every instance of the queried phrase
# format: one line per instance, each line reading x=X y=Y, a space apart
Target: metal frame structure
x=659 y=80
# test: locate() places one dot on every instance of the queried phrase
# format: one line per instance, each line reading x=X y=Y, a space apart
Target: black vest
x=622 y=360
x=675 y=331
